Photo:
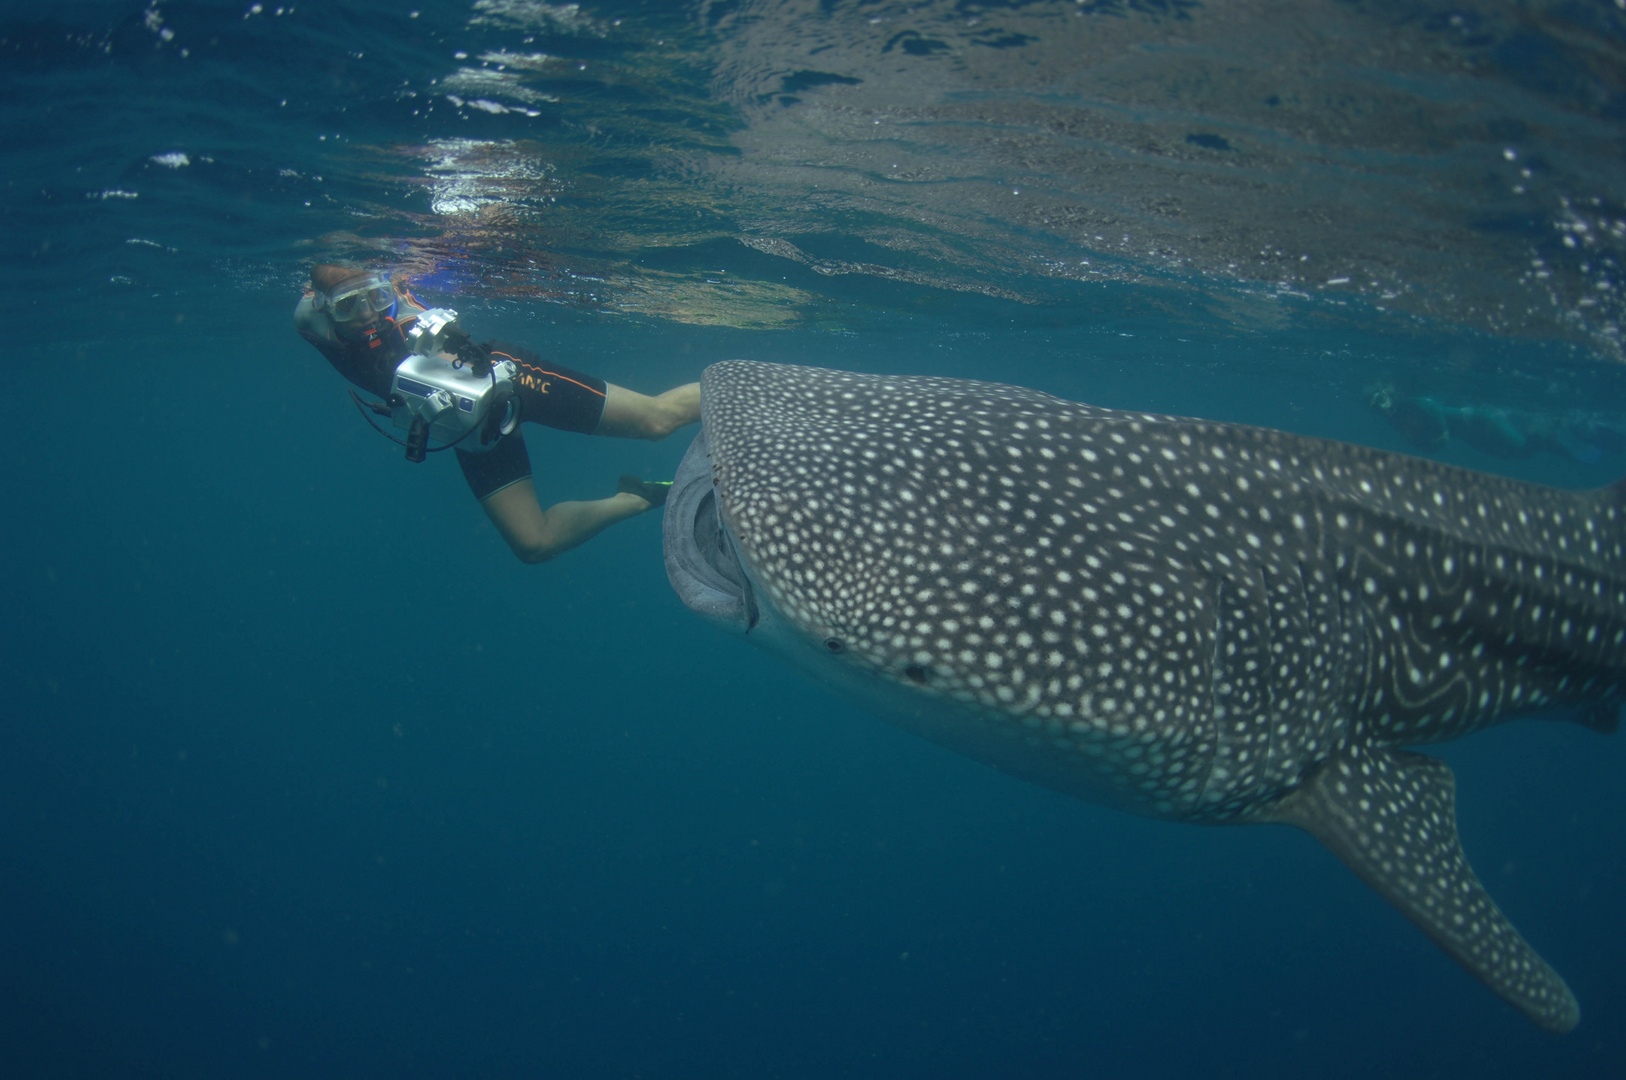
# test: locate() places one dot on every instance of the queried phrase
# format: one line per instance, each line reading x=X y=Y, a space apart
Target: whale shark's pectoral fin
x=1601 y=716
x=1391 y=817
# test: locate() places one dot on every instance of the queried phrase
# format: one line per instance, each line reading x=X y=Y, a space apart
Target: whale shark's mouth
x=701 y=560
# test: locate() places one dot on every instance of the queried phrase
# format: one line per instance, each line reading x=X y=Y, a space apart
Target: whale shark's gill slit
x=1219 y=694
x=1216 y=664
x=1268 y=686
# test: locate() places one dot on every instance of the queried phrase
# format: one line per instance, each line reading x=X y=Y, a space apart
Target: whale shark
x=1194 y=621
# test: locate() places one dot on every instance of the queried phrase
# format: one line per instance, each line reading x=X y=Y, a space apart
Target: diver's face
x=358 y=326
x=356 y=308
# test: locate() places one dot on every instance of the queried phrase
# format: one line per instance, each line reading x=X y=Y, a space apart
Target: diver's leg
x=631 y=415
x=536 y=535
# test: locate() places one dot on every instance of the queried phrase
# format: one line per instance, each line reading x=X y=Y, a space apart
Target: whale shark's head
x=928 y=547
x=883 y=518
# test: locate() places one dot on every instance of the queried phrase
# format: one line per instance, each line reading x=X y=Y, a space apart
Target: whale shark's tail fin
x=1391 y=817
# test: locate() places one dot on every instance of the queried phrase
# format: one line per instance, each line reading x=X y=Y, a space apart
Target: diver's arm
x=537 y=535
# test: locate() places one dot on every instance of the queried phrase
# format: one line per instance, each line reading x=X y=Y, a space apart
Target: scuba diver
x=1429 y=424
x=438 y=386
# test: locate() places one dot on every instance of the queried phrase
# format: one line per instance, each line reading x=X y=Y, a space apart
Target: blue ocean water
x=302 y=774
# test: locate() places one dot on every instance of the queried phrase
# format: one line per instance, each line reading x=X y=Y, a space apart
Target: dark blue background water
x=301 y=774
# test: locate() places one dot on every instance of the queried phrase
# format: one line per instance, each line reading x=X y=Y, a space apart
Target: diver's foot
x=653 y=492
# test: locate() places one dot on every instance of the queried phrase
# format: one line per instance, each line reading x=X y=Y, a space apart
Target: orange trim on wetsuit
x=554 y=374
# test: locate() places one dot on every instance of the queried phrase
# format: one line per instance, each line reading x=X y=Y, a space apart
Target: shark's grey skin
x=1194 y=621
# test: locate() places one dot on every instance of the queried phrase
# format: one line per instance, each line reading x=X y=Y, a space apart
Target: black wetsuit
x=549 y=394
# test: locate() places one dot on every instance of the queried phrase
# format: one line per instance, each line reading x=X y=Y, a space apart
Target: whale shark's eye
x=834 y=644
x=916 y=673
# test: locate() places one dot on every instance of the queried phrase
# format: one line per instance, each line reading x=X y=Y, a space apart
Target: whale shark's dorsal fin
x=1391 y=817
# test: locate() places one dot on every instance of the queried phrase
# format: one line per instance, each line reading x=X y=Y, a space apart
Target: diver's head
x=352 y=296
x=1381 y=396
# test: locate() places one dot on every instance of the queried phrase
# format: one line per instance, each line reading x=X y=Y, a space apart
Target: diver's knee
x=657 y=422
x=533 y=549
x=531 y=554
x=674 y=412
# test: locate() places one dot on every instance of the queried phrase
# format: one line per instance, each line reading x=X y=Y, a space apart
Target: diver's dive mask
x=372 y=295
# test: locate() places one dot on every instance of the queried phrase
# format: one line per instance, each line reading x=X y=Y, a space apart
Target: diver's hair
x=326 y=276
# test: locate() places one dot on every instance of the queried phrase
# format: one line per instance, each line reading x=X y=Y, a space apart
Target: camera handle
x=417 y=440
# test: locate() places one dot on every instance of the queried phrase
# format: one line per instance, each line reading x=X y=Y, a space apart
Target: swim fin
x=652 y=491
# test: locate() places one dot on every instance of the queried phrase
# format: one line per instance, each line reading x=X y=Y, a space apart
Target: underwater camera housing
x=466 y=400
